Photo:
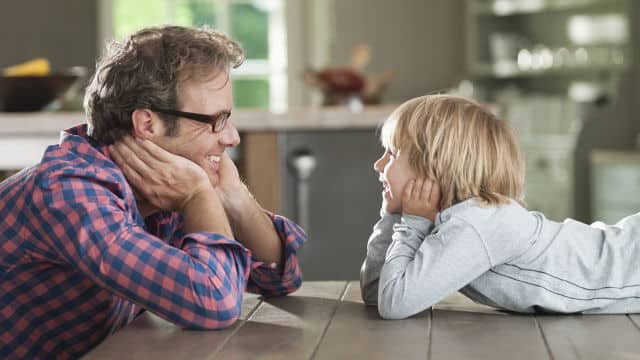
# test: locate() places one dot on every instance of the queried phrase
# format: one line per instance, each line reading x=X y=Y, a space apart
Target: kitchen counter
x=243 y=119
x=23 y=136
x=615 y=157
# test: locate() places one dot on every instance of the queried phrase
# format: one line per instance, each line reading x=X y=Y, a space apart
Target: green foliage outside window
x=251 y=93
x=249 y=26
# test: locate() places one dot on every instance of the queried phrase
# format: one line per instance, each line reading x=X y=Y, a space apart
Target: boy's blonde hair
x=459 y=144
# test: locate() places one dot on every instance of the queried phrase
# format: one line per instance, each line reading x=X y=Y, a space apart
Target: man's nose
x=230 y=136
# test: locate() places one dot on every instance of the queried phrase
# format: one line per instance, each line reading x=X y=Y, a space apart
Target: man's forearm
x=204 y=212
x=253 y=227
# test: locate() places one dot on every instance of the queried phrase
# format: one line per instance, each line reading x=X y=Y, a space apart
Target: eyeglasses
x=217 y=121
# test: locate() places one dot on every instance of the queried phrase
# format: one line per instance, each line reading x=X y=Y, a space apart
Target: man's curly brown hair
x=147 y=69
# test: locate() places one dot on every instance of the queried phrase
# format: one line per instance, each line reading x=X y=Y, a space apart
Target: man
x=140 y=209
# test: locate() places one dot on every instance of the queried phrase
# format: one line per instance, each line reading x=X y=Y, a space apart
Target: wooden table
x=327 y=320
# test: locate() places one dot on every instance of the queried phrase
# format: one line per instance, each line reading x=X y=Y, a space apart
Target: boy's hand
x=421 y=197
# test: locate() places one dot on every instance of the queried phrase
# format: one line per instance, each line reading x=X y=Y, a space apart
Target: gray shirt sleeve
x=422 y=268
x=377 y=245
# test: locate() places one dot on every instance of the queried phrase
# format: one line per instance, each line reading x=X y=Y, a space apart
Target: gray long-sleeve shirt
x=504 y=256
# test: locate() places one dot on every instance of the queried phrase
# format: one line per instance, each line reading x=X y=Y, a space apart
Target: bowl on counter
x=34 y=93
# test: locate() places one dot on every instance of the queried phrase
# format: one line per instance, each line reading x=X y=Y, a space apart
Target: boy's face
x=394 y=173
x=195 y=140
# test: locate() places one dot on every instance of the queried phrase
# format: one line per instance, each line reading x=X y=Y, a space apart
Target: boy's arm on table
x=377 y=246
x=422 y=268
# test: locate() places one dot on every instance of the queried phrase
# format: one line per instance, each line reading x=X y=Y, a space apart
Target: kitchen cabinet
x=337 y=203
x=336 y=199
x=549 y=177
x=538 y=62
x=559 y=40
x=615 y=184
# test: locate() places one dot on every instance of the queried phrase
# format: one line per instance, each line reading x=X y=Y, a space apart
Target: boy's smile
x=394 y=173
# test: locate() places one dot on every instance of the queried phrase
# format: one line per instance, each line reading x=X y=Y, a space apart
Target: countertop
x=615 y=156
x=243 y=119
x=24 y=136
x=327 y=320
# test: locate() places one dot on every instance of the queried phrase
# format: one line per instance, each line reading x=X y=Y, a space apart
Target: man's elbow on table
x=215 y=318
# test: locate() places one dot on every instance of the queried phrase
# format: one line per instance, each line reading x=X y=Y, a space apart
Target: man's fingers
x=133 y=156
x=154 y=151
x=146 y=151
x=132 y=175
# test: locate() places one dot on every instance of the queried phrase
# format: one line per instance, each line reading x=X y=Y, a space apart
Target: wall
x=421 y=41
x=63 y=31
x=404 y=35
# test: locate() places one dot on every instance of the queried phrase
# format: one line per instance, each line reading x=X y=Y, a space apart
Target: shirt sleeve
x=197 y=284
x=269 y=281
x=377 y=246
x=422 y=268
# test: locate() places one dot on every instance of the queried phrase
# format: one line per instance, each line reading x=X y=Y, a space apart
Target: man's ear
x=146 y=124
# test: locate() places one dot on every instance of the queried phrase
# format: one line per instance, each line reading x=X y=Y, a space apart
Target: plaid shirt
x=78 y=261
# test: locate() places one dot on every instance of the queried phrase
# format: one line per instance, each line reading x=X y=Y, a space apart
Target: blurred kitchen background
x=321 y=75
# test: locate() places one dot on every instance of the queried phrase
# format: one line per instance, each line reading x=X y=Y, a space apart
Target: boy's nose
x=377 y=165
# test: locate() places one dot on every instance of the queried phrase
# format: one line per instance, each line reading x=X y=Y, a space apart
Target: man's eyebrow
x=221 y=112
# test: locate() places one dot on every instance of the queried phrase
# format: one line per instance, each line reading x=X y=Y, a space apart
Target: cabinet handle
x=303 y=163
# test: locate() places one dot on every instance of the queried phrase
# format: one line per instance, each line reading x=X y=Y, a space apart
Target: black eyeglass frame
x=217 y=121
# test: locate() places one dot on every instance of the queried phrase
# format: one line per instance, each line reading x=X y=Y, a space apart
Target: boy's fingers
x=408 y=189
x=417 y=188
x=426 y=190
x=435 y=192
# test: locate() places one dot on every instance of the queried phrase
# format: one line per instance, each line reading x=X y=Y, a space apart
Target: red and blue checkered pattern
x=78 y=262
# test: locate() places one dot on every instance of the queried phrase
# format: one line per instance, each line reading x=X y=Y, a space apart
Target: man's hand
x=165 y=180
x=421 y=197
x=250 y=224
x=171 y=182
x=229 y=185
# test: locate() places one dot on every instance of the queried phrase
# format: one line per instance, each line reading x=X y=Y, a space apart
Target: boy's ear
x=146 y=124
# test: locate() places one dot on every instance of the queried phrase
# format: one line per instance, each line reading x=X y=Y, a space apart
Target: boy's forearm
x=377 y=246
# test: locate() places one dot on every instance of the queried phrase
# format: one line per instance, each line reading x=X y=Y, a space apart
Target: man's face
x=195 y=140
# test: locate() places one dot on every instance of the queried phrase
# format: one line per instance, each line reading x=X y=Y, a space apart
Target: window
x=258 y=25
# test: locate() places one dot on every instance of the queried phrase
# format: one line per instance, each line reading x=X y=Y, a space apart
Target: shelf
x=487 y=71
x=511 y=7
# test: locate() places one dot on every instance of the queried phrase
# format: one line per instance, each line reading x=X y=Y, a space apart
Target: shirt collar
x=77 y=136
